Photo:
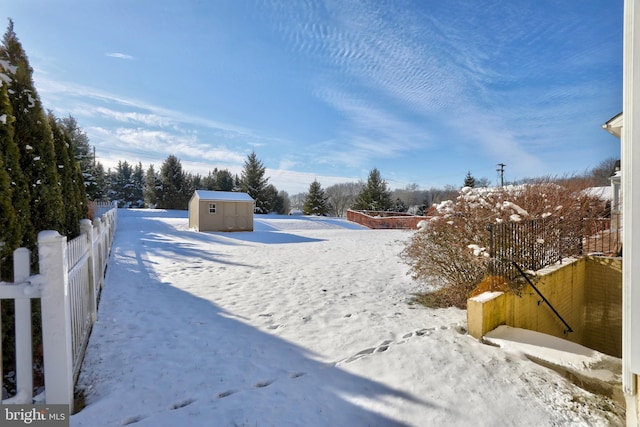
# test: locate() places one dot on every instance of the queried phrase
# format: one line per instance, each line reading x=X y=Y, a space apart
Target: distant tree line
x=171 y=187
x=373 y=195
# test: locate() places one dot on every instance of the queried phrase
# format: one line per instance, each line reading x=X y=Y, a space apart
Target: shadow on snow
x=158 y=351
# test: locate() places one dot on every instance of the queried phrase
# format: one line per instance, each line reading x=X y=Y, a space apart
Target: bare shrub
x=453 y=245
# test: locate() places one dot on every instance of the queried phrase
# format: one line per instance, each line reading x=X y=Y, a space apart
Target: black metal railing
x=537 y=243
x=544 y=299
x=532 y=244
x=603 y=235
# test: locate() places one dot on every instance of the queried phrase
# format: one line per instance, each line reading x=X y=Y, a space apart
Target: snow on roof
x=228 y=196
x=603 y=193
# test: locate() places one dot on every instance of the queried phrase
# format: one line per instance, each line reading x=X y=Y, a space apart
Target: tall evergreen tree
x=32 y=134
x=101 y=192
x=283 y=204
x=270 y=197
x=254 y=183
x=374 y=196
x=7 y=224
x=16 y=225
x=217 y=180
x=469 y=180
x=196 y=181
x=316 y=201
x=121 y=183
x=127 y=185
x=210 y=182
x=224 y=180
x=82 y=201
x=71 y=197
x=399 y=206
x=137 y=189
x=172 y=193
x=151 y=186
x=83 y=155
x=188 y=186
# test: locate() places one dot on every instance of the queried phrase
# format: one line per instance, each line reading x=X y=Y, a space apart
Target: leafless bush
x=453 y=245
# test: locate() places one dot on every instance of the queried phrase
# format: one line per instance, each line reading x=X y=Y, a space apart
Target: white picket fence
x=68 y=286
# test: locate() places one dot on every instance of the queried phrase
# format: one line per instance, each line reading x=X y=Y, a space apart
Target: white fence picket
x=71 y=277
x=20 y=292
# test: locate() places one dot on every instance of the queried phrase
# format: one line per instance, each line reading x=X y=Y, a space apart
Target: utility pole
x=501 y=170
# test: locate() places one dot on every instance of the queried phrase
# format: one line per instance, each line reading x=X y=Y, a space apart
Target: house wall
x=603 y=308
x=630 y=155
x=586 y=292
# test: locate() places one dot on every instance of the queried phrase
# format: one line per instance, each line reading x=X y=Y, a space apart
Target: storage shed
x=221 y=211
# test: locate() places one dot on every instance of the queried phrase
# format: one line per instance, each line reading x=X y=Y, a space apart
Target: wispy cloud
x=154 y=120
x=512 y=92
x=369 y=132
x=133 y=129
x=119 y=55
x=345 y=86
x=142 y=141
x=69 y=95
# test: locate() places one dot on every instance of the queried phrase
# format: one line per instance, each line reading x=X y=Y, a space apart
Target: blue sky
x=422 y=90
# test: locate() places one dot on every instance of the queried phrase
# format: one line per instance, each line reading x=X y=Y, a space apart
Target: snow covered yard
x=303 y=322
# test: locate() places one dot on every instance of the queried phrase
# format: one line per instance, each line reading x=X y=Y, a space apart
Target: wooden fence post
x=24 y=362
x=56 y=318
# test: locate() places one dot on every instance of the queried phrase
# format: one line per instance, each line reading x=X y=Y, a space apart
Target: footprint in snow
x=360 y=354
x=132 y=420
x=384 y=346
x=226 y=393
x=263 y=384
x=182 y=404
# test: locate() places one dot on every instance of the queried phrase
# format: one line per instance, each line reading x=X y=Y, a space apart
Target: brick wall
x=385 y=220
